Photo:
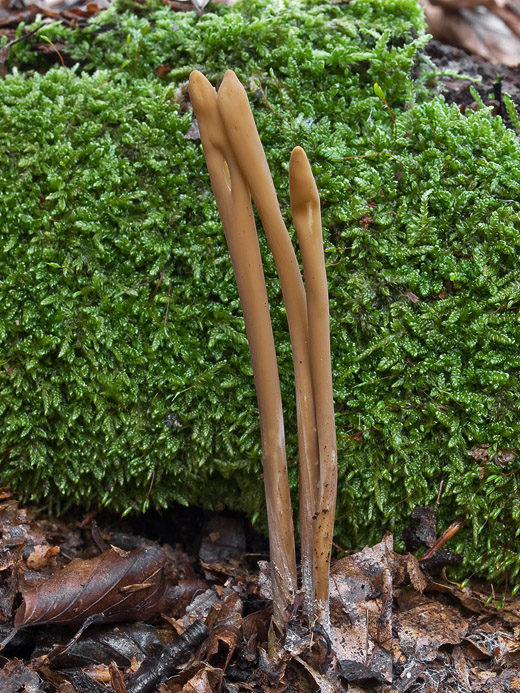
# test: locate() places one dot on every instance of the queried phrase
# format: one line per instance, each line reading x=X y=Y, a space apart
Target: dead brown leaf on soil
x=115 y=586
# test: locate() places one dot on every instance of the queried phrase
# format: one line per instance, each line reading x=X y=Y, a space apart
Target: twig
x=153 y=672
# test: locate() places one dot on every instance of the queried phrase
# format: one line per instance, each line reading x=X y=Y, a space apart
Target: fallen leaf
x=486 y=453
x=41 y=555
x=423 y=628
x=489 y=28
x=225 y=622
x=361 y=612
x=206 y=680
x=85 y=588
x=461 y=665
x=15 y=676
x=162 y=70
x=417 y=577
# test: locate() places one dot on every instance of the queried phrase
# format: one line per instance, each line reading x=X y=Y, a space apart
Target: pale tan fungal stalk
x=238 y=168
x=235 y=110
x=305 y=210
x=234 y=205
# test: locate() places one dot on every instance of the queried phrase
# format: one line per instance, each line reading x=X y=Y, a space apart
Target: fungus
x=305 y=210
x=238 y=169
x=234 y=205
x=238 y=119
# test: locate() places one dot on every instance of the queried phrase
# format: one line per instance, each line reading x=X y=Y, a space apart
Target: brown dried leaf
x=271 y=671
x=116 y=679
x=225 y=622
x=466 y=596
x=361 y=612
x=423 y=628
x=461 y=666
x=223 y=641
x=489 y=682
x=162 y=70
x=254 y=630
x=41 y=556
x=485 y=453
x=206 y=680
x=88 y=587
x=489 y=28
x=411 y=296
x=474 y=597
x=16 y=676
x=200 y=607
x=417 y=577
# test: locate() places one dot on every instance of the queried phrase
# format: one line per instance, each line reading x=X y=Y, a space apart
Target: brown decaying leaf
x=461 y=666
x=116 y=679
x=361 y=612
x=162 y=70
x=475 y=598
x=225 y=622
x=411 y=296
x=200 y=607
x=426 y=625
x=323 y=682
x=16 y=676
x=41 y=555
x=88 y=587
x=417 y=577
x=485 y=453
x=206 y=680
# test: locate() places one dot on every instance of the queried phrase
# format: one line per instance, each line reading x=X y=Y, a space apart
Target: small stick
x=235 y=110
x=305 y=210
x=448 y=534
x=234 y=205
x=154 y=671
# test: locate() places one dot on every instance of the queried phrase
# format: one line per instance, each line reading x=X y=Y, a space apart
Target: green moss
x=125 y=369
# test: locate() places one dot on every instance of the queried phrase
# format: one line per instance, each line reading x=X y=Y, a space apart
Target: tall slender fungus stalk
x=305 y=210
x=234 y=205
x=238 y=168
x=235 y=110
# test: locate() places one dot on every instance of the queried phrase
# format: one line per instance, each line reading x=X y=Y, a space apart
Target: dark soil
x=494 y=80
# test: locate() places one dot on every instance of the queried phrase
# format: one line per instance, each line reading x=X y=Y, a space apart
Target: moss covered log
x=125 y=375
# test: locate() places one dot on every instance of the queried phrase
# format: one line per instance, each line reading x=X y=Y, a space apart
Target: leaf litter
x=92 y=605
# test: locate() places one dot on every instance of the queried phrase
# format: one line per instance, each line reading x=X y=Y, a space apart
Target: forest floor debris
x=103 y=604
